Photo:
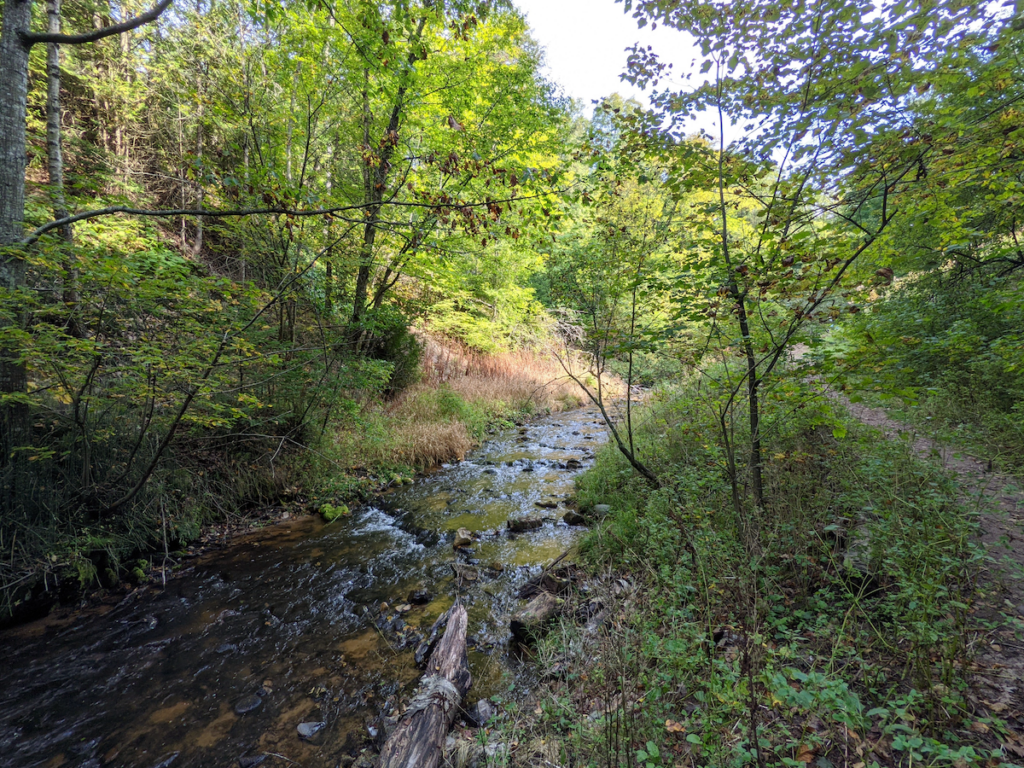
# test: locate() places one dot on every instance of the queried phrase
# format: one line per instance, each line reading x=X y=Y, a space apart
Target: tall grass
x=461 y=394
x=841 y=637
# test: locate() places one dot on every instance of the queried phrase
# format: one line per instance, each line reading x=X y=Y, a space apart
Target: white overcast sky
x=586 y=41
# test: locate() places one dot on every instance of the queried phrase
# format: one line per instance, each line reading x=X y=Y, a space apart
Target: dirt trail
x=999 y=500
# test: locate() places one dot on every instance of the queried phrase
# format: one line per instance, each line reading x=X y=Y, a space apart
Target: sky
x=585 y=42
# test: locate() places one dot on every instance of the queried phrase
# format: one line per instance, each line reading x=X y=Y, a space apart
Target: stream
x=301 y=624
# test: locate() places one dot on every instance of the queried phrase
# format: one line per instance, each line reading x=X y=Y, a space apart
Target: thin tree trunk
x=739 y=296
x=97 y=101
x=375 y=179
x=182 y=177
x=291 y=126
x=197 y=244
x=329 y=285
x=55 y=163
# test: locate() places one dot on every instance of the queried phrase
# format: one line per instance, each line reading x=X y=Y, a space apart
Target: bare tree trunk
x=740 y=297
x=182 y=177
x=753 y=405
x=291 y=126
x=14 y=422
x=55 y=162
x=197 y=244
x=329 y=285
x=97 y=101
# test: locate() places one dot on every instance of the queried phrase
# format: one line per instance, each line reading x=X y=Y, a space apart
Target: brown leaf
x=1016 y=749
x=805 y=754
x=673 y=727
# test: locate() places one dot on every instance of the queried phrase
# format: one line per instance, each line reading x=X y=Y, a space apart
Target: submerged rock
x=420 y=596
x=465 y=572
x=248 y=704
x=309 y=730
x=524 y=524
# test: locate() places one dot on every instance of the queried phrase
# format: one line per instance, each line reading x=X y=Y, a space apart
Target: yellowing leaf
x=673 y=727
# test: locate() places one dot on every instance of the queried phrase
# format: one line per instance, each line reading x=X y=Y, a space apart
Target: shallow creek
x=302 y=623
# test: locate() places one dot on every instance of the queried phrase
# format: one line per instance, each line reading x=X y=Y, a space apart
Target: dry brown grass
x=445 y=415
x=521 y=377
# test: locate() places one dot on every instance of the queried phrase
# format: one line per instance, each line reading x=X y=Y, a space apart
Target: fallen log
x=529 y=621
x=425 y=648
x=418 y=739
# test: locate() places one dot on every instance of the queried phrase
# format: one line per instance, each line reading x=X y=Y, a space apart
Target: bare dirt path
x=999 y=503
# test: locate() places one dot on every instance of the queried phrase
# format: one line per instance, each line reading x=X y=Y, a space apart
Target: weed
x=837 y=630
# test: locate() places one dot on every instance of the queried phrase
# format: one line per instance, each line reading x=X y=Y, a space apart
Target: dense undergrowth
x=832 y=628
x=951 y=344
x=238 y=464
x=461 y=396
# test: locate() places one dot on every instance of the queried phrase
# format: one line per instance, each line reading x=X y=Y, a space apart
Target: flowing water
x=304 y=624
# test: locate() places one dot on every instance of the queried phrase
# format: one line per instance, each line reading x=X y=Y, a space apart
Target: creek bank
x=61 y=594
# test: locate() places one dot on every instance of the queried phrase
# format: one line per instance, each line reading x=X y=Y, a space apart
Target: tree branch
x=109 y=210
x=31 y=38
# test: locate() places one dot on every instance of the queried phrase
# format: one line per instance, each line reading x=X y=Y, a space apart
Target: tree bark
x=419 y=738
x=13 y=100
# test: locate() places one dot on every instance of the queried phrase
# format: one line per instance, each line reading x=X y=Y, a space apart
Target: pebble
x=309 y=730
x=248 y=704
x=420 y=596
x=480 y=713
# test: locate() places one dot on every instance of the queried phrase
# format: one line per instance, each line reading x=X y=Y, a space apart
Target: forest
x=271 y=257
